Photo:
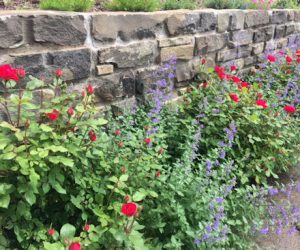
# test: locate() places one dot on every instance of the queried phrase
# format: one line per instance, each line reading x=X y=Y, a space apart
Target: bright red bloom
x=290 y=109
x=92 y=135
x=75 y=246
x=53 y=115
x=288 y=71
x=298 y=53
x=129 y=209
x=271 y=58
x=203 y=61
x=235 y=79
x=118 y=132
x=219 y=69
x=51 y=231
x=21 y=72
x=298 y=60
x=127 y=198
x=234 y=97
x=222 y=75
x=71 y=111
x=7 y=73
x=289 y=59
x=90 y=89
x=58 y=73
x=262 y=103
x=147 y=141
x=233 y=68
x=205 y=85
x=157 y=173
x=87 y=227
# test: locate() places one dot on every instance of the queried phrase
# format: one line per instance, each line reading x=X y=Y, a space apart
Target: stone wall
x=118 y=52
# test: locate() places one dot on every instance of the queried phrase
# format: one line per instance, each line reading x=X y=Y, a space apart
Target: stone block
x=290 y=29
x=129 y=56
x=250 y=60
x=264 y=34
x=223 y=21
x=11 y=34
x=256 y=18
x=297 y=15
x=107 y=27
x=211 y=43
x=45 y=95
x=76 y=64
x=282 y=43
x=279 y=16
x=239 y=63
x=184 y=71
x=59 y=29
x=226 y=55
x=244 y=51
x=184 y=52
x=258 y=48
x=242 y=37
x=105 y=69
x=291 y=16
x=208 y=21
x=176 y=41
x=237 y=20
x=280 y=31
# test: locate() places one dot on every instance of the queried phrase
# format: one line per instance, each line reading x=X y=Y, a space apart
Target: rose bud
x=118 y=132
x=87 y=228
x=51 y=231
x=58 y=73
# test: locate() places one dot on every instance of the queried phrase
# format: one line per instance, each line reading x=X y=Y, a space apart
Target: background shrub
x=179 y=4
x=67 y=5
x=133 y=5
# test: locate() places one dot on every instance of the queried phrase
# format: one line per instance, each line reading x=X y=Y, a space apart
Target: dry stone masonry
x=118 y=52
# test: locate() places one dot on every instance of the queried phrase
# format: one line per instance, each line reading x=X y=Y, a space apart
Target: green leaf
x=67 y=232
x=34 y=83
x=138 y=196
x=8 y=156
x=53 y=246
x=9 y=126
x=58 y=188
x=124 y=177
x=46 y=128
x=30 y=197
x=4 y=142
x=4 y=200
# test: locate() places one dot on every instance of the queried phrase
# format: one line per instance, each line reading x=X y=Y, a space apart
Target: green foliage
x=286 y=4
x=225 y=4
x=67 y=5
x=179 y=4
x=133 y=5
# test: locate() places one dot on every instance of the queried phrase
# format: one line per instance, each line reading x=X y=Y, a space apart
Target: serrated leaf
x=4 y=200
x=67 y=232
x=138 y=196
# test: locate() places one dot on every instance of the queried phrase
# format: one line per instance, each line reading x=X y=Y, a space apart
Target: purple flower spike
x=264 y=230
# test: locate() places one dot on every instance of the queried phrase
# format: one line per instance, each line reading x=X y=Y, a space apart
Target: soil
x=284 y=241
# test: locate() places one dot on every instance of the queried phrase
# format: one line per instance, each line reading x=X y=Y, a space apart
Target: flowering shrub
x=164 y=176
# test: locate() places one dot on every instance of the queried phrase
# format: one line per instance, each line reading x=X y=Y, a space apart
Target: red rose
x=289 y=59
x=51 y=231
x=87 y=228
x=219 y=69
x=157 y=173
x=288 y=71
x=262 y=103
x=203 y=61
x=129 y=209
x=58 y=72
x=222 y=75
x=127 y=198
x=71 y=111
x=148 y=141
x=234 y=97
x=235 y=79
x=118 y=132
x=53 y=115
x=92 y=135
x=233 y=68
x=298 y=60
x=7 y=73
x=90 y=89
x=243 y=85
x=21 y=72
x=205 y=85
x=271 y=58
x=290 y=109
x=75 y=246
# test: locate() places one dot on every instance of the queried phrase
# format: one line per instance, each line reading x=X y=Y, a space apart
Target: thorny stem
x=19 y=107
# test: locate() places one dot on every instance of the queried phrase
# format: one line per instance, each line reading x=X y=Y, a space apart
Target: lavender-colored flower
x=273 y=191
x=222 y=154
x=298 y=187
x=219 y=200
x=264 y=230
x=208 y=167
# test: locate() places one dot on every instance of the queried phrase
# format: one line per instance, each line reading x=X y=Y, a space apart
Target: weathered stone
x=264 y=34
x=128 y=82
x=42 y=95
x=279 y=16
x=258 y=48
x=59 y=29
x=184 y=72
x=293 y=40
x=146 y=79
x=271 y=45
x=291 y=15
x=10 y=32
x=176 y=41
x=226 y=55
x=297 y=15
x=211 y=43
x=124 y=106
x=242 y=37
x=250 y=60
x=76 y=62
x=105 y=69
x=191 y=23
x=282 y=43
x=290 y=29
x=256 y=17
x=107 y=27
x=237 y=20
x=184 y=52
x=244 y=51
x=279 y=32
x=223 y=22
x=133 y=55
x=239 y=63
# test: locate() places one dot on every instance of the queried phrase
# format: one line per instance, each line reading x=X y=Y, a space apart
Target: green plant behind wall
x=67 y=5
x=133 y=5
x=179 y=4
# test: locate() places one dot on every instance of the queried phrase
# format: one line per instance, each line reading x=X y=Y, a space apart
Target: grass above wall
x=67 y=5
